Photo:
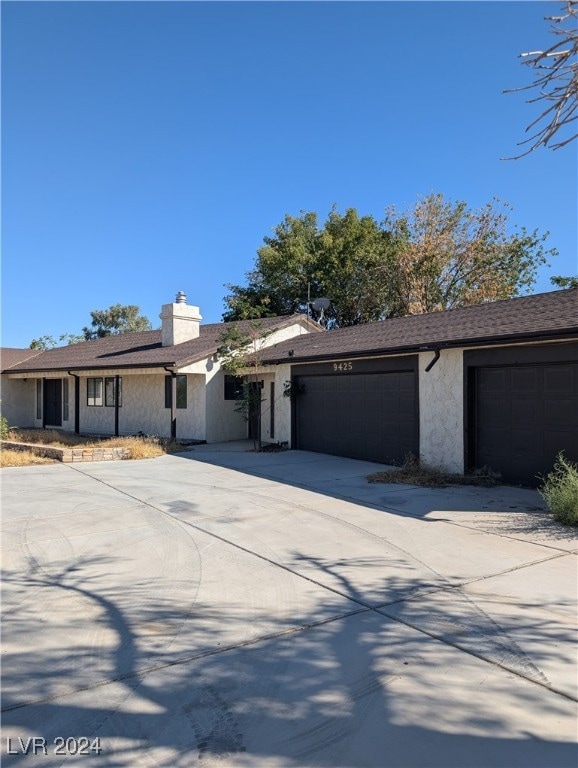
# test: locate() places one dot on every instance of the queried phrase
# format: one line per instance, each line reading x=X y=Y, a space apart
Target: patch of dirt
x=414 y=473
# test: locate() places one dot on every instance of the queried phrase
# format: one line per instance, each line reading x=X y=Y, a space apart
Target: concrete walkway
x=226 y=608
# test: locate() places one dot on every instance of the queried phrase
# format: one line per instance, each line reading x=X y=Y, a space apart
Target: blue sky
x=148 y=147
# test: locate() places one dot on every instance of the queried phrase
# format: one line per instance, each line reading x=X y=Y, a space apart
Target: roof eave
x=428 y=346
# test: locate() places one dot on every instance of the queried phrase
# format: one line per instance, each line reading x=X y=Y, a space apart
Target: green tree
x=49 y=342
x=564 y=282
x=116 y=319
x=285 y=264
x=342 y=260
x=436 y=255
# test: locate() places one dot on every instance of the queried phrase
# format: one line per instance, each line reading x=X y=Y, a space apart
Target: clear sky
x=148 y=147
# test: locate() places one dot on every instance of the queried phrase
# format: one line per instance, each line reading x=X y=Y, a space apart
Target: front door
x=254 y=409
x=53 y=402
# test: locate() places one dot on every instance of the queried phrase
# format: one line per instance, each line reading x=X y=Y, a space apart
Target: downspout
x=76 y=401
x=116 y=405
x=432 y=362
x=173 y=402
x=44 y=402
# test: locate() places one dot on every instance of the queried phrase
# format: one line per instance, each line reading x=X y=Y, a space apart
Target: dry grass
x=139 y=447
x=414 y=473
x=143 y=447
x=49 y=437
x=10 y=458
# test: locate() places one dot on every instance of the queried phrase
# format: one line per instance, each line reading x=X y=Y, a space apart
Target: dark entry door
x=254 y=393
x=53 y=402
x=371 y=416
x=525 y=415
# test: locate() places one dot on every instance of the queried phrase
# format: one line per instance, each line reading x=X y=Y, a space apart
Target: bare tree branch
x=556 y=83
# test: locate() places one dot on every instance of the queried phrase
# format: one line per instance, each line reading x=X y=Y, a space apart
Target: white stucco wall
x=222 y=421
x=18 y=401
x=283 y=409
x=441 y=410
x=27 y=405
x=143 y=409
x=285 y=333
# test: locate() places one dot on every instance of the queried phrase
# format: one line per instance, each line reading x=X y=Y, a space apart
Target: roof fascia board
x=429 y=346
x=86 y=371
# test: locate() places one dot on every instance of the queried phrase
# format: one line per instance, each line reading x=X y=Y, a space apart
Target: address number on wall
x=342 y=367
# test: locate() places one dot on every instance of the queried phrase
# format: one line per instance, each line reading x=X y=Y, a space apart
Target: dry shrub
x=50 y=437
x=10 y=458
x=140 y=447
x=414 y=473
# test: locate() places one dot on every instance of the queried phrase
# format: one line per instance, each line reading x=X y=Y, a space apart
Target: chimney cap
x=181 y=298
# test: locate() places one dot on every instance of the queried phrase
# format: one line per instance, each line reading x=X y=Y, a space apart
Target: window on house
x=38 y=398
x=233 y=387
x=109 y=391
x=94 y=391
x=65 y=396
x=181 y=391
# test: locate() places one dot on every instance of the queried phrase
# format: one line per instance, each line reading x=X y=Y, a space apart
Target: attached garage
x=523 y=409
x=361 y=409
x=494 y=385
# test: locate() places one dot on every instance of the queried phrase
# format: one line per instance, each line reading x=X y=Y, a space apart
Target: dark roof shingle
x=141 y=349
x=545 y=315
x=10 y=356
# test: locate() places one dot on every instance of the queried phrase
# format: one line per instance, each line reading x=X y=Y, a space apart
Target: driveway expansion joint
x=365 y=607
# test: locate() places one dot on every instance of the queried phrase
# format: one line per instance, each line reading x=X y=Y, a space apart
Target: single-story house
x=493 y=385
x=168 y=382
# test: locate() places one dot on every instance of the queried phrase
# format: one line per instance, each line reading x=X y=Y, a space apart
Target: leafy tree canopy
x=49 y=342
x=116 y=319
x=436 y=255
x=564 y=282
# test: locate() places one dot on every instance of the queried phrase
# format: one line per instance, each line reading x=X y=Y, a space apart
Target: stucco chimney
x=180 y=321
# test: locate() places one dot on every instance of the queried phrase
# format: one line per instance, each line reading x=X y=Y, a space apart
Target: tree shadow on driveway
x=354 y=689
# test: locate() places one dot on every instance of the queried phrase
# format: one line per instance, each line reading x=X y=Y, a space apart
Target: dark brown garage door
x=524 y=415
x=371 y=416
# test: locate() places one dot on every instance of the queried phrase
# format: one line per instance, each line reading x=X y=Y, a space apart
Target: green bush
x=4 y=429
x=560 y=491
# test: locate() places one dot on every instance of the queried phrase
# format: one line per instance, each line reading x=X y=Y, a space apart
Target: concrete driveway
x=226 y=608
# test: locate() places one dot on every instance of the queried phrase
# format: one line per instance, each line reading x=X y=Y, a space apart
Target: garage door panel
x=524 y=409
x=525 y=442
x=525 y=415
x=371 y=416
x=523 y=381
x=494 y=380
x=560 y=379
x=562 y=411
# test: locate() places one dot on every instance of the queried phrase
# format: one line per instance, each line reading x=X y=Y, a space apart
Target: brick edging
x=69 y=455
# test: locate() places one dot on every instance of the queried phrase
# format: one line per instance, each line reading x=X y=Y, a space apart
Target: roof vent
x=181 y=298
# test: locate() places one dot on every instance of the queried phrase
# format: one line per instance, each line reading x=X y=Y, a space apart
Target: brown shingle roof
x=10 y=356
x=142 y=349
x=542 y=316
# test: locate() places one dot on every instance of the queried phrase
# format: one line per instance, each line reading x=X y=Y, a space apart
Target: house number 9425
x=341 y=367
